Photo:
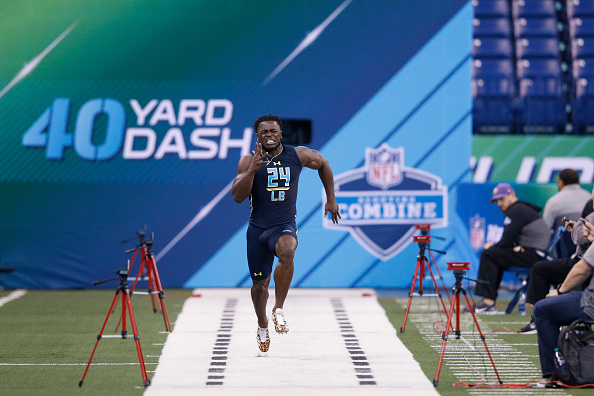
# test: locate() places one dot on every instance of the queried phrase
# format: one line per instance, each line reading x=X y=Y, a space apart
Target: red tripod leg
x=410 y=295
x=153 y=264
x=152 y=285
x=140 y=269
x=115 y=299
x=126 y=299
x=439 y=273
x=444 y=335
x=436 y=287
x=482 y=337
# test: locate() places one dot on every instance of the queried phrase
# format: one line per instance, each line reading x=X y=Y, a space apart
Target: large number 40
x=50 y=129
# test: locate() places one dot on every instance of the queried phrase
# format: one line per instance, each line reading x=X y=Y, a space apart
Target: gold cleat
x=280 y=324
x=263 y=345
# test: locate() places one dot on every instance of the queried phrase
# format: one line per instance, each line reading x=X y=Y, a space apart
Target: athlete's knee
x=286 y=251
x=259 y=286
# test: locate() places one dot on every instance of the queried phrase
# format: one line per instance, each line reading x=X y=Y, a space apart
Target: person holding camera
x=563 y=305
x=552 y=272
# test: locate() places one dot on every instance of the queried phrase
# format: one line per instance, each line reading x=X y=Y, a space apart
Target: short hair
x=569 y=176
x=268 y=117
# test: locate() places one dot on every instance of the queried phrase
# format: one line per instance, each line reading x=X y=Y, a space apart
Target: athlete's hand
x=332 y=207
x=258 y=158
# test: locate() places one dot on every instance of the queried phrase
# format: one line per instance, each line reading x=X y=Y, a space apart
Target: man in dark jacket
x=525 y=238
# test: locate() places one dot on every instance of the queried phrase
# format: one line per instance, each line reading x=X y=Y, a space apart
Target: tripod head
x=122 y=276
x=459 y=268
x=140 y=234
x=424 y=241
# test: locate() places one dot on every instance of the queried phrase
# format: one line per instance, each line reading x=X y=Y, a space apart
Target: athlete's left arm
x=314 y=160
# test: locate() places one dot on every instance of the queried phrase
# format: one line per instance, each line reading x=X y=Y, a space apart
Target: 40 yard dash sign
x=382 y=202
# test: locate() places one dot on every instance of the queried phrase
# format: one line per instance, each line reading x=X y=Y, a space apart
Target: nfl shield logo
x=384 y=166
x=477 y=232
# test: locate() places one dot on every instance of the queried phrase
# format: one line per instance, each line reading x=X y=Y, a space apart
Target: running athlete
x=269 y=176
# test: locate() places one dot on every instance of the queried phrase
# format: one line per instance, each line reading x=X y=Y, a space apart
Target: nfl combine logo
x=382 y=202
x=477 y=232
x=385 y=166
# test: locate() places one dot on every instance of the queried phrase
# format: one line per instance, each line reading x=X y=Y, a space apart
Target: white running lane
x=340 y=343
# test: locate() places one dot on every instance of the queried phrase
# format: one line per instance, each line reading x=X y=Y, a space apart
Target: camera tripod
x=148 y=271
x=459 y=268
x=423 y=240
x=126 y=304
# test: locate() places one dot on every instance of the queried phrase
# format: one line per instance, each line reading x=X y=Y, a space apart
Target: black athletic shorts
x=260 y=247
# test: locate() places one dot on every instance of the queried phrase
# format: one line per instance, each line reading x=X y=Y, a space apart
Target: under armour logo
x=276 y=163
x=257 y=274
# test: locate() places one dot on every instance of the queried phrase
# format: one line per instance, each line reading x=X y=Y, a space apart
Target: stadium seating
x=491 y=8
x=536 y=27
x=493 y=91
x=498 y=27
x=580 y=8
x=541 y=95
x=582 y=47
x=583 y=68
x=492 y=48
x=581 y=27
x=538 y=47
x=532 y=9
x=550 y=46
x=583 y=105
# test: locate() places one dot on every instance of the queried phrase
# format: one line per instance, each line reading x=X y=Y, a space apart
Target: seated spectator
x=546 y=273
x=567 y=203
x=524 y=240
x=560 y=307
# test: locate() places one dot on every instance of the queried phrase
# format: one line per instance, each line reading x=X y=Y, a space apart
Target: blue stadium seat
x=543 y=105
x=581 y=27
x=491 y=8
x=583 y=106
x=492 y=48
x=536 y=27
x=582 y=47
x=531 y=9
x=580 y=8
x=540 y=93
x=583 y=68
x=537 y=47
x=491 y=27
x=493 y=91
x=482 y=68
x=539 y=68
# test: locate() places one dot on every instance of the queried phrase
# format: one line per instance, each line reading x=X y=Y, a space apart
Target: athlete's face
x=269 y=135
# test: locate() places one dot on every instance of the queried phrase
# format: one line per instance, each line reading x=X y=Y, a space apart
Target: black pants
x=544 y=274
x=494 y=262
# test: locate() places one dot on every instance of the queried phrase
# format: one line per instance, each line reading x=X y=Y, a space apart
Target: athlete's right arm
x=246 y=169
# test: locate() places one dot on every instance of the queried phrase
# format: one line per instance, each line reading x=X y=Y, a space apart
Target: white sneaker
x=280 y=324
x=262 y=334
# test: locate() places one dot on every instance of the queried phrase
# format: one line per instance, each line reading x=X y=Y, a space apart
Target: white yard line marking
x=73 y=364
x=12 y=296
x=339 y=343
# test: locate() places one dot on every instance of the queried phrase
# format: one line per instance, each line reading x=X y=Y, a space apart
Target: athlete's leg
x=283 y=274
x=259 y=299
x=260 y=260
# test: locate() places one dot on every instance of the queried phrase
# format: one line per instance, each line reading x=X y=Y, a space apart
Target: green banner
x=531 y=159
